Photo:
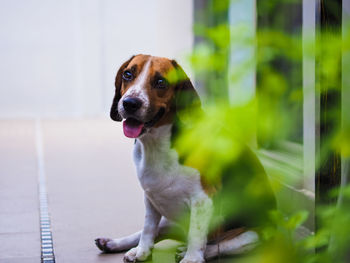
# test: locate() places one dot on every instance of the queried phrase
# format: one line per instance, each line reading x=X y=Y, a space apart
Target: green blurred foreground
x=216 y=139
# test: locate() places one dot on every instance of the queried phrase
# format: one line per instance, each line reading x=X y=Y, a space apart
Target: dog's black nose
x=131 y=104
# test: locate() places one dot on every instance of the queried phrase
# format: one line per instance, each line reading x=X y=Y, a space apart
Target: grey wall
x=59 y=58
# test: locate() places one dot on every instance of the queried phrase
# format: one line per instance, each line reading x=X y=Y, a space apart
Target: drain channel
x=47 y=251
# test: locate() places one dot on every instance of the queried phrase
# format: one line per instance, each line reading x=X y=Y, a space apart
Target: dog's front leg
x=201 y=212
x=149 y=233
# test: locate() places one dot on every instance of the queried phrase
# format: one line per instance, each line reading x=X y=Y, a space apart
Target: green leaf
x=297 y=219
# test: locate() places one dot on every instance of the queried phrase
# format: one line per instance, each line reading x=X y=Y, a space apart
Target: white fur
x=170 y=188
x=167 y=184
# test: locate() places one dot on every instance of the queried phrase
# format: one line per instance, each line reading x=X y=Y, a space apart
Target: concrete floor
x=19 y=214
x=92 y=189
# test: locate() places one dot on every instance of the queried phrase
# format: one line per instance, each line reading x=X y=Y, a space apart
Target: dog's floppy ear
x=118 y=84
x=186 y=104
x=186 y=98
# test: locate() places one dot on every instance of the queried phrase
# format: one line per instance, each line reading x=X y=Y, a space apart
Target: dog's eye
x=161 y=83
x=127 y=75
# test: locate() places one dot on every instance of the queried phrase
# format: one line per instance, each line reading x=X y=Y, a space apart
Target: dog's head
x=149 y=92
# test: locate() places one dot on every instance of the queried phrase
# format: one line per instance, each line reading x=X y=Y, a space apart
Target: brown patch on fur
x=135 y=66
x=209 y=188
x=219 y=235
x=162 y=98
x=228 y=235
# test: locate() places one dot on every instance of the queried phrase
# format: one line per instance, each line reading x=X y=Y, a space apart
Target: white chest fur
x=169 y=185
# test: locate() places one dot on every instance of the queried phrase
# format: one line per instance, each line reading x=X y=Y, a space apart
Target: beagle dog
x=149 y=93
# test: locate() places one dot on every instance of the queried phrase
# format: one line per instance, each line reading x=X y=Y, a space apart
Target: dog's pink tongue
x=132 y=128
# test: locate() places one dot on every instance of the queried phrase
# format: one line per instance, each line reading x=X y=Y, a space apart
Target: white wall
x=59 y=58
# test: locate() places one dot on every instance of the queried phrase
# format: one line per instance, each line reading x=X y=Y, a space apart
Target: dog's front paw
x=193 y=258
x=106 y=245
x=137 y=254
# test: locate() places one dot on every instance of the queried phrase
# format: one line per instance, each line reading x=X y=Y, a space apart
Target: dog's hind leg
x=230 y=246
x=109 y=245
x=234 y=242
x=166 y=230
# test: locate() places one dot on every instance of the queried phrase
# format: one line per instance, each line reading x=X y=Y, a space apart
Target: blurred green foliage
x=216 y=138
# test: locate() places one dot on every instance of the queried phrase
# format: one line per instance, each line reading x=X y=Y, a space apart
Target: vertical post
x=328 y=174
x=242 y=64
x=338 y=246
x=309 y=94
x=346 y=91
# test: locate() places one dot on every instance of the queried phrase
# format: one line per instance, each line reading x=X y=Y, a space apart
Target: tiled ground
x=19 y=214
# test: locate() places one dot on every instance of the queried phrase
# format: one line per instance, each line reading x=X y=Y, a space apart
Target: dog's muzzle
x=133 y=128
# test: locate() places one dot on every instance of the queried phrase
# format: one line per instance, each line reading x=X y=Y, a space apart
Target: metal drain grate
x=47 y=251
